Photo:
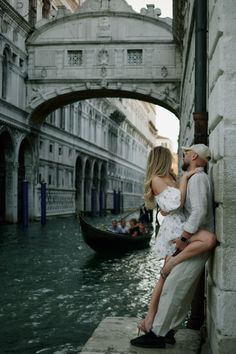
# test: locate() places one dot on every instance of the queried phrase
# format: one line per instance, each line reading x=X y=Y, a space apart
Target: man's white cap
x=202 y=150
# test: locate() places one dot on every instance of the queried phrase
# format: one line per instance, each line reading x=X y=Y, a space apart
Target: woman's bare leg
x=146 y=324
x=201 y=242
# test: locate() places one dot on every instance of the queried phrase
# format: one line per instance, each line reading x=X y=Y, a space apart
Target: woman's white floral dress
x=169 y=200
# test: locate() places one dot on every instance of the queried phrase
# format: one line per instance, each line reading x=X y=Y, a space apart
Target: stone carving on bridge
x=151 y=11
x=44 y=73
x=105 y=5
x=164 y=71
x=103 y=57
x=104 y=27
x=104 y=71
x=36 y=92
x=169 y=93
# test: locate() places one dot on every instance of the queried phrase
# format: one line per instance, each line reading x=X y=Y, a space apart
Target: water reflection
x=55 y=290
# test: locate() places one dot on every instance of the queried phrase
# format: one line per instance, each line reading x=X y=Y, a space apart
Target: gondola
x=103 y=241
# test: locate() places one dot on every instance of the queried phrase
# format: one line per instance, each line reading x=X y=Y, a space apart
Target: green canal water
x=55 y=290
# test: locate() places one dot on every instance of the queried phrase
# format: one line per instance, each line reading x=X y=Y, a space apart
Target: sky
x=167 y=123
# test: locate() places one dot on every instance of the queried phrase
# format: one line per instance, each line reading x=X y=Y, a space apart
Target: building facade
x=85 y=152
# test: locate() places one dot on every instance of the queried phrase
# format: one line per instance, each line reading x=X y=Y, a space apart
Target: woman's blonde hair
x=159 y=163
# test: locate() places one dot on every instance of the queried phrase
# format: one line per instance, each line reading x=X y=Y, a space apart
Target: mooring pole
x=43 y=203
x=25 y=203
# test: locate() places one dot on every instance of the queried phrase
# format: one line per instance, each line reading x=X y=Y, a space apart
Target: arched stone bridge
x=103 y=50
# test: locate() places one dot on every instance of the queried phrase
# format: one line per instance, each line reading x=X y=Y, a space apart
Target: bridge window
x=75 y=57
x=135 y=56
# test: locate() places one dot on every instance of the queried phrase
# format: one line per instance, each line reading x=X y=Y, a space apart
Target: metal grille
x=75 y=57
x=135 y=57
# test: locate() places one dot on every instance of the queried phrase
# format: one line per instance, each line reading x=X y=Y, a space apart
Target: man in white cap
x=180 y=285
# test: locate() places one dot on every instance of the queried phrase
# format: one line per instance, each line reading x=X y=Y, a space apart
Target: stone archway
x=105 y=49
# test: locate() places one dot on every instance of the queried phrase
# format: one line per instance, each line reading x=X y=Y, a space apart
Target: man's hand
x=164 y=213
x=180 y=244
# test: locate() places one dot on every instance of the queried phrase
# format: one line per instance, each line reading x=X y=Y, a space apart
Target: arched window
x=5 y=72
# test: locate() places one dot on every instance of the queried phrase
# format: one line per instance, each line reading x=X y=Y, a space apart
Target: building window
x=62 y=118
x=60 y=151
x=135 y=56
x=5 y=73
x=75 y=57
x=49 y=179
x=50 y=147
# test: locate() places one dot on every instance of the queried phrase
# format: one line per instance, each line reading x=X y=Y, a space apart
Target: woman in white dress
x=161 y=188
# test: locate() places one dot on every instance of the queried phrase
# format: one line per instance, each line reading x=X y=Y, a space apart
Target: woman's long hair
x=159 y=163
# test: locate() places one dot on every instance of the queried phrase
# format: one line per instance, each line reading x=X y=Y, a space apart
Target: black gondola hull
x=104 y=241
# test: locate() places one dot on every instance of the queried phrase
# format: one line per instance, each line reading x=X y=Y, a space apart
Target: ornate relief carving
x=103 y=57
x=105 y=5
x=88 y=85
x=104 y=71
x=169 y=94
x=36 y=92
x=103 y=84
x=104 y=27
x=44 y=73
x=164 y=71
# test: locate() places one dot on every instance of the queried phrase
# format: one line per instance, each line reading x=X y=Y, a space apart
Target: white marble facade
x=88 y=145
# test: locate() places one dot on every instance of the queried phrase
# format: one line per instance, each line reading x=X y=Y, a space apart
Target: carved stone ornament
x=104 y=26
x=103 y=84
x=103 y=71
x=36 y=93
x=44 y=73
x=169 y=94
x=103 y=57
x=164 y=71
x=105 y=5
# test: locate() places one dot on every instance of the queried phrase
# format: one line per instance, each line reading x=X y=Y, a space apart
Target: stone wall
x=222 y=132
x=221 y=289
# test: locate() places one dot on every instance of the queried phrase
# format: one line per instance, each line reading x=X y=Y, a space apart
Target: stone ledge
x=114 y=333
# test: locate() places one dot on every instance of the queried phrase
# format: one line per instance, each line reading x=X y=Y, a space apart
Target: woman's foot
x=169 y=265
x=145 y=325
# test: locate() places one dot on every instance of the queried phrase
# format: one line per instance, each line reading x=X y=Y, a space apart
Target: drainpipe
x=200 y=117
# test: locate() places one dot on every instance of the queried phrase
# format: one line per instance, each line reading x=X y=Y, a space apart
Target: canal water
x=55 y=290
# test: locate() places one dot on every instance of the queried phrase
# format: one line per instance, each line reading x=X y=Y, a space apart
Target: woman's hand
x=189 y=174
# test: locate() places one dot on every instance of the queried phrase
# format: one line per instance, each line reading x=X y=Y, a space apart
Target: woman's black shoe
x=149 y=340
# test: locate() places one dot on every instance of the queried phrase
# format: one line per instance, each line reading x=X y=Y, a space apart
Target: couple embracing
x=184 y=240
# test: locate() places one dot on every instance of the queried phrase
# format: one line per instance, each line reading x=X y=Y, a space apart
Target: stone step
x=113 y=335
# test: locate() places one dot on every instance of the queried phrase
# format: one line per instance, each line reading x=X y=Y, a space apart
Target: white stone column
x=11 y=191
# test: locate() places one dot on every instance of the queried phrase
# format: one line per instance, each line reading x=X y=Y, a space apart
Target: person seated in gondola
x=123 y=228
x=134 y=227
x=114 y=226
x=142 y=228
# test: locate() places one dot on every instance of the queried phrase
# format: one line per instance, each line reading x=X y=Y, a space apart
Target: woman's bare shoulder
x=158 y=185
